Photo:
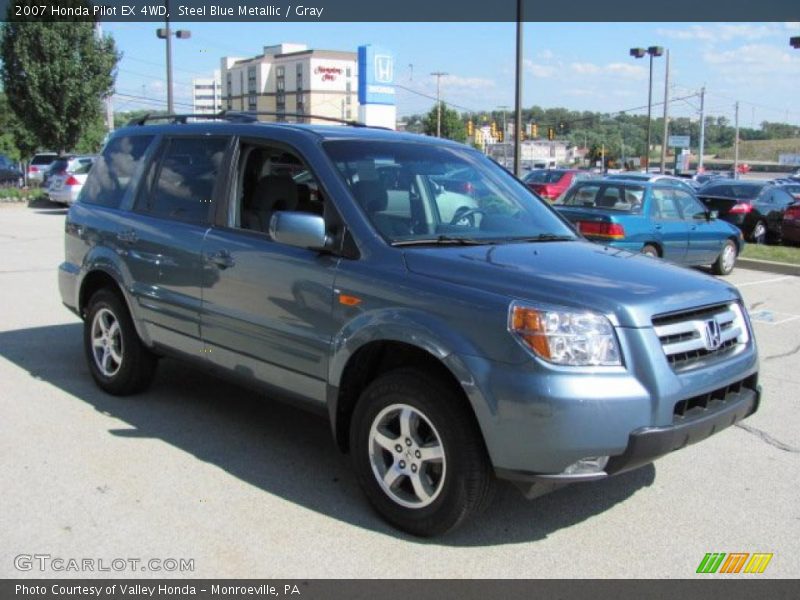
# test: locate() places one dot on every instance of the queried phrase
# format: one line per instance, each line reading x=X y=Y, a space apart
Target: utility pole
x=736 y=145
x=438 y=75
x=649 y=109
x=518 y=95
x=666 y=118
x=702 y=127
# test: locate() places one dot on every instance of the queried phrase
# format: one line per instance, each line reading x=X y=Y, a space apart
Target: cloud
x=752 y=59
x=538 y=70
x=456 y=81
x=617 y=69
x=722 y=32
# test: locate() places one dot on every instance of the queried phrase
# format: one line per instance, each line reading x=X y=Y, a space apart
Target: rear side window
x=604 y=195
x=184 y=181
x=113 y=172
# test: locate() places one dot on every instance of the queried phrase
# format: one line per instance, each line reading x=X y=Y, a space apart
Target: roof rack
x=174 y=118
x=251 y=115
x=236 y=117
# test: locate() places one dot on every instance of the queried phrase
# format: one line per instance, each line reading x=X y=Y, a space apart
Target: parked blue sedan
x=652 y=218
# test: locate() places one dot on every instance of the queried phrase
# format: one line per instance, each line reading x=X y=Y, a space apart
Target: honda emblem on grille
x=713 y=335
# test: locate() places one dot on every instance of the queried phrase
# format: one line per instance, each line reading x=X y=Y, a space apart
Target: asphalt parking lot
x=197 y=468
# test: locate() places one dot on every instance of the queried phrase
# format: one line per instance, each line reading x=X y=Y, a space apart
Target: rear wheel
x=418 y=453
x=759 y=233
x=726 y=259
x=650 y=250
x=118 y=361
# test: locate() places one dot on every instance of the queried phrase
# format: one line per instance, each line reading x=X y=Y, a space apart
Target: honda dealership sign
x=375 y=75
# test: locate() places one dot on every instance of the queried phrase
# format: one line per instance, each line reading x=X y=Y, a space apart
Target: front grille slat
x=697 y=406
x=683 y=335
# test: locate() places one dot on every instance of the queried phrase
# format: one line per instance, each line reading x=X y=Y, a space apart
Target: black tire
x=723 y=265
x=650 y=250
x=137 y=365
x=467 y=485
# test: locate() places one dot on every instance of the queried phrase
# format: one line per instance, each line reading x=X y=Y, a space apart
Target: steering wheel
x=464 y=213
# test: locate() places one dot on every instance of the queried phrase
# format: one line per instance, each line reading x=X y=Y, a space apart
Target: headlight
x=570 y=338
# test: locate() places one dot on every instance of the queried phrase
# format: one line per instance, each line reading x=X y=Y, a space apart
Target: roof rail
x=251 y=115
x=175 y=118
x=239 y=117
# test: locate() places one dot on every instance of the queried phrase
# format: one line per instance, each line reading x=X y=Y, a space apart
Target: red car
x=551 y=183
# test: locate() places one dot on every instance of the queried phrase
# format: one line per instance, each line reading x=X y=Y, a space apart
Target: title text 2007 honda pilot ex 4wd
x=451 y=337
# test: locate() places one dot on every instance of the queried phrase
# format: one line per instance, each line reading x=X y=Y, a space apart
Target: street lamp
x=165 y=33
x=639 y=53
x=794 y=42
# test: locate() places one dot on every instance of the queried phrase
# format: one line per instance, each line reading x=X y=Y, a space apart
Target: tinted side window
x=185 y=179
x=111 y=175
x=664 y=204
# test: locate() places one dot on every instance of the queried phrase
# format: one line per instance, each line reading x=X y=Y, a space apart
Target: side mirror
x=302 y=230
x=713 y=215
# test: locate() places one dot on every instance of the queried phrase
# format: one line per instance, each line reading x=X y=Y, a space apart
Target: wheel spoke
x=115 y=354
x=113 y=330
x=405 y=423
x=431 y=453
x=384 y=441
x=97 y=342
x=106 y=360
x=392 y=476
x=103 y=322
x=420 y=489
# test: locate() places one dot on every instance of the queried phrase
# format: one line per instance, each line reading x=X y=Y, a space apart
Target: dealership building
x=292 y=79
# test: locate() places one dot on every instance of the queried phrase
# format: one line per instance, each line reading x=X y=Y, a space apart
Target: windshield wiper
x=444 y=240
x=544 y=237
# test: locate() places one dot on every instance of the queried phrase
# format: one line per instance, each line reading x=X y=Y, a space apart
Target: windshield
x=610 y=195
x=420 y=192
x=546 y=176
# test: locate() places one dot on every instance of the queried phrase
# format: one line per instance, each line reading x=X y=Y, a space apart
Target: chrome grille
x=691 y=338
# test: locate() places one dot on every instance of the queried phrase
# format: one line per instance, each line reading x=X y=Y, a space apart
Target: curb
x=768 y=266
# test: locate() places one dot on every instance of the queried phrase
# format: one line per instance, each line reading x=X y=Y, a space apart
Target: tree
x=16 y=142
x=452 y=126
x=55 y=75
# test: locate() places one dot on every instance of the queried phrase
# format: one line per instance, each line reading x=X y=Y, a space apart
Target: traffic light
x=470 y=128
x=551 y=133
x=535 y=131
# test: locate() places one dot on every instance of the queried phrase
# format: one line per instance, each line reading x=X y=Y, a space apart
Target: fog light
x=590 y=464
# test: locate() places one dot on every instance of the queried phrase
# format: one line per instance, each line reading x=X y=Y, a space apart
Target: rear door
x=164 y=237
x=705 y=239
x=671 y=231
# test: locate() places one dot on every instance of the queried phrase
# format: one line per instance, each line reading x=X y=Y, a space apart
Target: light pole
x=165 y=33
x=652 y=51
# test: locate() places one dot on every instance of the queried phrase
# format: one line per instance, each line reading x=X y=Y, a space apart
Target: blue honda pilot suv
x=452 y=334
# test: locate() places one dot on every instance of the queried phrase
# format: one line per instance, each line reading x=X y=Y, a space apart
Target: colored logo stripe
x=713 y=562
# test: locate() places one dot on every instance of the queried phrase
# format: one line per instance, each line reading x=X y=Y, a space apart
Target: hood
x=576 y=274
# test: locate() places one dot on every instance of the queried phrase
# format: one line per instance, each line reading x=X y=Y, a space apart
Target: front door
x=268 y=311
x=671 y=231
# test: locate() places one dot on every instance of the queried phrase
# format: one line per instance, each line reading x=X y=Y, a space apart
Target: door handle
x=127 y=236
x=222 y=259
x=659 y=227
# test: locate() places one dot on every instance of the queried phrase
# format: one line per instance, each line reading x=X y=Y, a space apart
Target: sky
x=580 y=66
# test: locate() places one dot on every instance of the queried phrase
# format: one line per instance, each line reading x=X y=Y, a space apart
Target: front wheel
x=650 y=250
x=118 y=361
x=418 y=453
x=726 y=259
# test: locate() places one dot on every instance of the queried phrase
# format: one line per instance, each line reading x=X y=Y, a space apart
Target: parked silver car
x=38 y=165
x=67 y=181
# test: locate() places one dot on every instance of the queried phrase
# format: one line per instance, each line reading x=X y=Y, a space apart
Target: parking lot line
x=773 y=280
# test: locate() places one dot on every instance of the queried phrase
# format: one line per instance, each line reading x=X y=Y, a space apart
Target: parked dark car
x=754 y=207
x=10 y=175
x=449 y=338
x=793 y=187
x=657 y=219
x=551 y=183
